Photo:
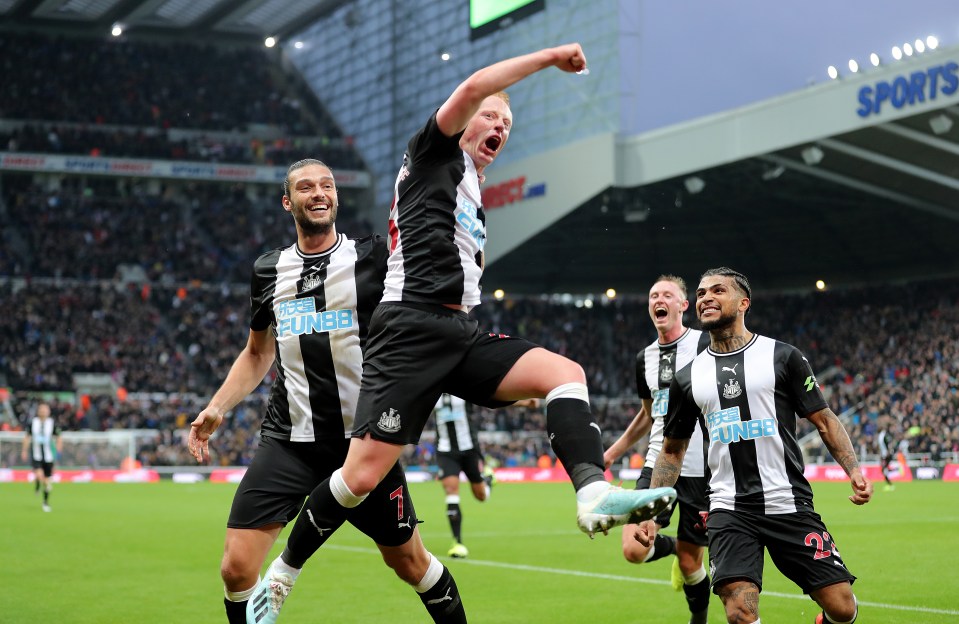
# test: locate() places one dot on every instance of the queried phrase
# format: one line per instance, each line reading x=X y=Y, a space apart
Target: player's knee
x=410 y=565
x=634 y=553
x=238 y=572
x=739 y=613
x=741 y=601
x=363 y=482
x=567 y=371
x=842 y=611
x=689 y=562
x=479 y=492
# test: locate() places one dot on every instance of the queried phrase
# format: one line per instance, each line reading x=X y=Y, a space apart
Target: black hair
x=742 y=283
x=299 y=165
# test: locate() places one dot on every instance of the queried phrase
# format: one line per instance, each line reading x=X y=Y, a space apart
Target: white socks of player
x=240 y=596
x=695 y=577
x=342 y=493
x=568 y=391
x=433 y=574
x=590 y=491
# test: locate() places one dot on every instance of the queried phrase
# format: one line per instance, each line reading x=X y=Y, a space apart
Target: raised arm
x=245 y=375
x=836 y=439
x=456 y=112
x=639 y=427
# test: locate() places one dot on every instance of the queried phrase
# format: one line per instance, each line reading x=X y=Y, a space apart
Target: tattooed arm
x=836 y=439
x=669 y=463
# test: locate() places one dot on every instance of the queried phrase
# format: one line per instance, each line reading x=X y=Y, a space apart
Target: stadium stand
x=145 y=281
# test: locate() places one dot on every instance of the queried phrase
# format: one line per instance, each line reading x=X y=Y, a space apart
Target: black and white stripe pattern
x=318 y=307
x=42 y=434
x=749 y=400
x=437 y=224
x=453 y=429
x=656 y=365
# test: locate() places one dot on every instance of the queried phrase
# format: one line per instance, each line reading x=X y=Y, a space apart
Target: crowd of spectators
x=898 y=359
x=159 y=144
x=208 y=233
x=161 y=85
x=125 y=99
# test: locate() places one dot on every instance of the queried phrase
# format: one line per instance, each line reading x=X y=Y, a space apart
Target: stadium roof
x=789 y=191
x=224 y=20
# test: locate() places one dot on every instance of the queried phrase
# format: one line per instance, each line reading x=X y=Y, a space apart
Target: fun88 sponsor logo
x=297 y=317
x=469 y=219
x=660 y=403
x=726 y=427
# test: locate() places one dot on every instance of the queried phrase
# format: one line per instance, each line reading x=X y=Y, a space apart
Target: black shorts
x=693 y=505
x=414 y=353
x=798 y=544
x=282 y=474
x=46 y=467
x=468 y=462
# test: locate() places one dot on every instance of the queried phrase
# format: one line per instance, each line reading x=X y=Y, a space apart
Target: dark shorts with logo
x=282 y=474
x=46 y=467
x=414 y=353
x=453 y=463
x=692 y=502
x=798 y=543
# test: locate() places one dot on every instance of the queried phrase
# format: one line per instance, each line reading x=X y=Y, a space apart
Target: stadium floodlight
x=812 y=155
x=820 y=285
x=853 y=66
x=269 y=42
x=117 y=30
x=694 y=184
x=445 y=56
x=298 y=45
x=832 y=71
x=896 y=53
x=499 y=294
x=907 y=49
x=932 y=42
x=940 y=124
x=920 y=46
x=874 y=59
x=610 y=293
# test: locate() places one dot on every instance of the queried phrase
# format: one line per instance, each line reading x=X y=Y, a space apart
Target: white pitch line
x=632 y=579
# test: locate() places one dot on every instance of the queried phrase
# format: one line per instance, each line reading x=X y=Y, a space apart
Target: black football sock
x=441 y=598
x=235 y=611
x=321 y=516
x=697 y=597
x=455 y=517
x=235 y=604
x=663 y=546
x=576 y=440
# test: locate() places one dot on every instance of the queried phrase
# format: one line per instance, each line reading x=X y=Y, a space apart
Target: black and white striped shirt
x=656 y=365
x=437 y=225
x=453 y=430
x=749 y=400
x=318 y=307
x=43 y=433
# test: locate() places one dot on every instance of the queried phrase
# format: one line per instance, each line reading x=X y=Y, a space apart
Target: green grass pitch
x=132 y=553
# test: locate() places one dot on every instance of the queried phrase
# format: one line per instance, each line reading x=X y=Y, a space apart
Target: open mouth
x=493 y=143
x=661 y=313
